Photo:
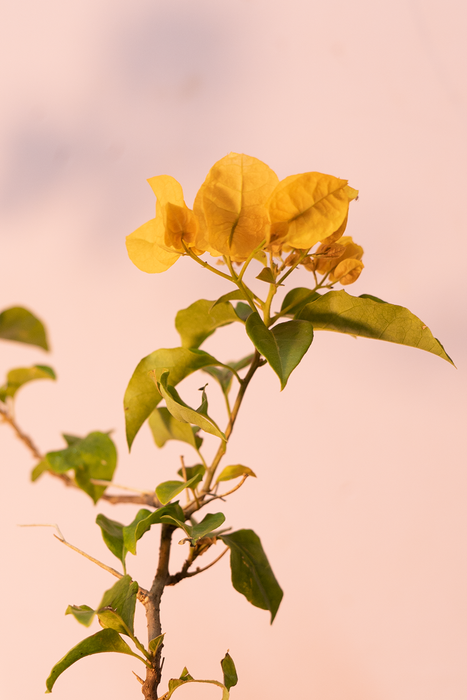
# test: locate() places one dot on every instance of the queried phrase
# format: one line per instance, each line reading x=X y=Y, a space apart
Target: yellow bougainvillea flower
x=350 y=250
x=240 y=204
x=347 y=272
x=306 y=208
x=346 y=266
x=232 y=205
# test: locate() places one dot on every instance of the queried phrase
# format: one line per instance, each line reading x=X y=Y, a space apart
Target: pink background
x=360 y=496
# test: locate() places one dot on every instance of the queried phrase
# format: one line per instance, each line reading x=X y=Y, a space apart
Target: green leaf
x=105 y=640
x=165 y=427
x=182 y=412
x=169 y=489
x=362 y=316
x=224 y=376
x=142 y=395
x=252 y=575
x=201 y=319
x=121 y=598
x=296 y=299
x=93 y=457
x=230 y=296
x=233 y=471
x=370 y=296
x=210 y=522
x=203 y=409
x=185 y=677
x=39 y=469
x=198 y=470
x=16 y=378
x=112 y=534
x=229 y=671
x=283 y=346
x=22 y=326
x=155 y=643
x=144 y=520
x=243 y=311
x=83 y=613
x=70 y=439
x=266 y=275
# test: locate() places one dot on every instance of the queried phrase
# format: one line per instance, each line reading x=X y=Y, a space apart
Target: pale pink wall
x=367 y=535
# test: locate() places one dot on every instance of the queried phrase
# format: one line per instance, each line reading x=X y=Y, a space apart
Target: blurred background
x=360 y=496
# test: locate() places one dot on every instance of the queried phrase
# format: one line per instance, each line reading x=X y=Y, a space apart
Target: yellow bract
x=147 y=250
x=240 y=204
x=233 y=204
x=305 y=209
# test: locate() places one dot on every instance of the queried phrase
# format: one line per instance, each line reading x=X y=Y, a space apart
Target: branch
x=184 y=573
x=153 y=615
x=145 y=499
x=7 y=418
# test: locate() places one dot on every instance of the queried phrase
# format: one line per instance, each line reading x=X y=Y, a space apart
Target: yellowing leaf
x=146 y=248
x=232 y=201
x=305 y=209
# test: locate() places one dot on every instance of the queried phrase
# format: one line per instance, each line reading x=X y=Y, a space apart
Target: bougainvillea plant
x=244 y=220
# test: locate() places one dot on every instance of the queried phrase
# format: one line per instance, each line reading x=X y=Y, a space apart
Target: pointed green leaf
x=266 y=275
x=233 y=471
x=179 y=409
x=39 y=469
x=16 y=378
x=283 y=346
x=296 y=299
x=83 y=613
x=142 y=395
x=93 y=457
x=230 y=296
x=166 y=491
x=22 y=326
x=143 y=522
x=209 y=523
x=201 y=319
x=362 y=316
x=203 y=408
x=70 y=439
x=112 y=534
x=105 y=640
x=185 y=677
x=252 y=575
x=229 y=671
x=243 y=310
x=165 y=427
x=155 y=643
x=122 y=599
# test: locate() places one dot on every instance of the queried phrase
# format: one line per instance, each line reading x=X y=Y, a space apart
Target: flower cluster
x=242 y=207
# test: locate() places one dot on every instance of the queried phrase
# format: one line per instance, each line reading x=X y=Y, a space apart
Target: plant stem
x=205 y=264
x=153 y=615
x=255 y=363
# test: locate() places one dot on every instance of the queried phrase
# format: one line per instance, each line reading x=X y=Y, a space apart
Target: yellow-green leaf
x=142 y=396
x=182 y=412
x=22 y=326
x=16 y=378
x=233 y=471
x=366 y=317
x=200 y=320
